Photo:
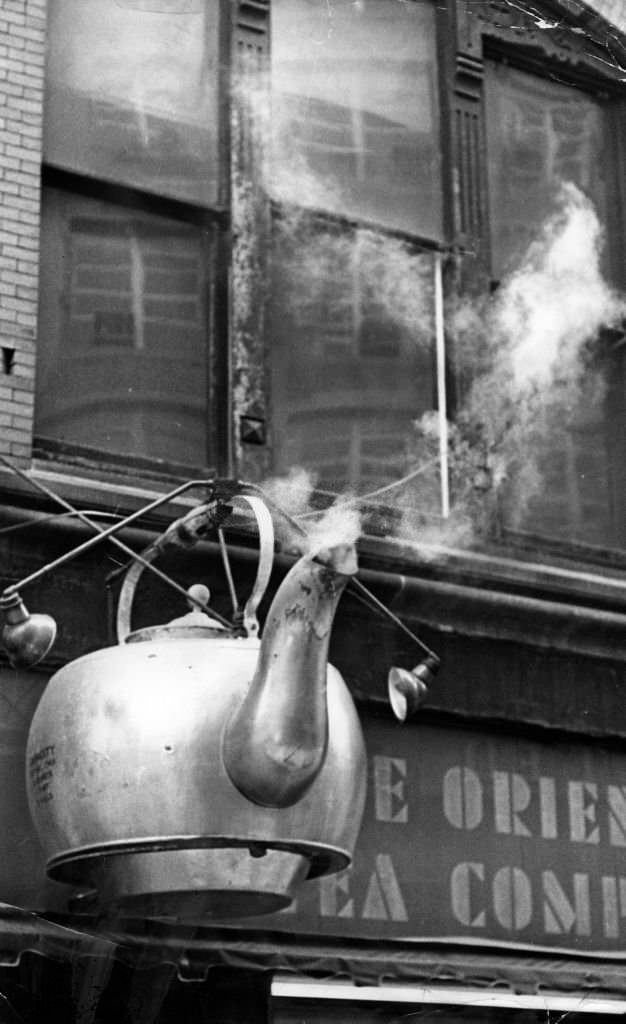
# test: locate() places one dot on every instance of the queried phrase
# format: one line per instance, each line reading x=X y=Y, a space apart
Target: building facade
x=368 y=256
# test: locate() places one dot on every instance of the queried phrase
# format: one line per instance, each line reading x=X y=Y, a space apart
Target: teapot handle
x=264 y=568
x=266 y=560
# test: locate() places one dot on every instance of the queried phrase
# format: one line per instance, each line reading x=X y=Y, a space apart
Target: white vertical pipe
x=442 y=409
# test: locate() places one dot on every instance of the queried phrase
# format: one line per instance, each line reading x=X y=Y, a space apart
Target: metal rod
x=101 y=534
x=109 y=533
x=442 y=409
x=31 y=523
x=367 y=597
x=229 y=576
x=134 y=555
x=98 y=529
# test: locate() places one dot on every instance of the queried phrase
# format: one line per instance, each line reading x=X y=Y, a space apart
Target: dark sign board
x=481 y=836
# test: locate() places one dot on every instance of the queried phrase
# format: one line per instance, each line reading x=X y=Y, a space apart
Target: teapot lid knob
x=198 y=594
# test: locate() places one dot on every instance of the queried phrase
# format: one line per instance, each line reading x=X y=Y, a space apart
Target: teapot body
x=129 y=793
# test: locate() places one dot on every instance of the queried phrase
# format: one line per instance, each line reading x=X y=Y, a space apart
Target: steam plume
x=315 y=530
x=557 y=301
x=530 y=352
x=340 y=524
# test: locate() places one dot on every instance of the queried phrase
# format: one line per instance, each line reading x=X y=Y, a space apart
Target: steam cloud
x=528 y=359
x=338 y=524
x=554 y=305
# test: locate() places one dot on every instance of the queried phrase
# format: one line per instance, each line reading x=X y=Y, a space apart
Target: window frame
x=499 y=49
x=216 y=219
x=318 y=219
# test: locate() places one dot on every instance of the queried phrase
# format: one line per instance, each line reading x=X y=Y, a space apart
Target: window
x=540 y=133
x=546 y=141
x=132 y=93
x=356 y=176
x=355 y=111
x=132 y=175
x=123 y=300
x=352 y=354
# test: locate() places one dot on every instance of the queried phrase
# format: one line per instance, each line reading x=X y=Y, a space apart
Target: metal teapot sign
x=191 y=771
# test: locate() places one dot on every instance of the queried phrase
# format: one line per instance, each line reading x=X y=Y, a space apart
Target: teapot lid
x=178 y=630
x=195 y=624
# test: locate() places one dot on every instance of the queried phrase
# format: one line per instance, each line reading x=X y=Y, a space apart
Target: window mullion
x=250 y=212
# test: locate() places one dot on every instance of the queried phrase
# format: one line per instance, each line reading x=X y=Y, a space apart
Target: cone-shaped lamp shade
x=409 y=689
x=26 y=638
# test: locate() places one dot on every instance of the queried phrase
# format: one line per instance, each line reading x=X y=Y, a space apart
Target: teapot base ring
x=195 y=881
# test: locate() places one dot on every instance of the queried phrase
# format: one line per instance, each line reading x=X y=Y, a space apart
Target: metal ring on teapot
x=264 y=568
x=266 y=559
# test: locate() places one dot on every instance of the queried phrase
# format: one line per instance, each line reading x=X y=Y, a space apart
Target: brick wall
x=22 y=47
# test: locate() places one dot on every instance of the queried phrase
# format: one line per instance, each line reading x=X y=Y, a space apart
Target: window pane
x=546 y=142
x=353 y=358
x=576 y=474
x=123 y=354
x=132 y=93
x=539 y=133
x=355 y=114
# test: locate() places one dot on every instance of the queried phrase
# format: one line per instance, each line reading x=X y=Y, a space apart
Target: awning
x=196 y=951
x=89 y=963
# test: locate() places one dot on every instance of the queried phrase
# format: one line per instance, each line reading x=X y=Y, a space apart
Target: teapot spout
x=275 y=743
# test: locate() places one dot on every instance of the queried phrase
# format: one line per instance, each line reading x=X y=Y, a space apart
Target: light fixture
x=26 y=638
x=408 y=688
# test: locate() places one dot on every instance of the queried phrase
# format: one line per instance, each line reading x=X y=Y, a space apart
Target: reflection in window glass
x=353 y=354
x=122 y=307
x=354 y=110
x=131 y=93
x=540 y=133
x=574 y=496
